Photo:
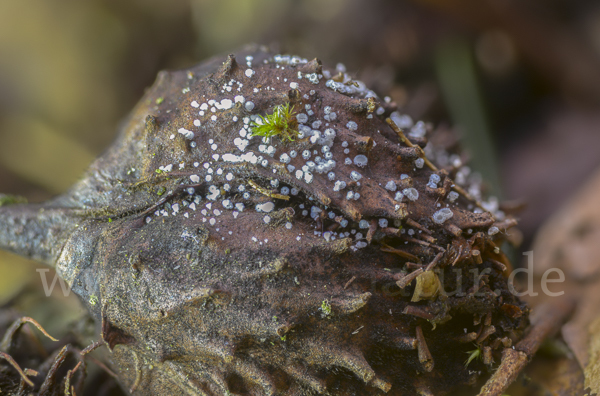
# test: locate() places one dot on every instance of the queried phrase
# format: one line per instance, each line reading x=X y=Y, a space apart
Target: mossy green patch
x=6 y=199
x=325 y=308
x=474 y=354
x=281 y=123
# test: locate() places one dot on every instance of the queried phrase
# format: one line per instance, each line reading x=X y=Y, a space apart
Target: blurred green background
x=520 y=81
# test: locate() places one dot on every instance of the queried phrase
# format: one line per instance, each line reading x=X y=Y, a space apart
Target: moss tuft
x=325 y=308
x=6 y=199
x=281 y=123
x=474 y=354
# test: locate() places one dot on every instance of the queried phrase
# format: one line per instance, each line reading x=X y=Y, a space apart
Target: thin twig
x=92 y=347
x=434 y=262
x=401 y=253
x=349 y=282
x=424 y=355
x=546 y=320
x=405 y=281
x=405 y=140
x=430 y=165
x=15 y=326
x=69 y=376
x=417 y=225
x=498 y=264
x=457 y=256
x=103 y=367
x=52 y=373
x=423 y=243
x=467 y=337
x=418 y=312
x=12 y=362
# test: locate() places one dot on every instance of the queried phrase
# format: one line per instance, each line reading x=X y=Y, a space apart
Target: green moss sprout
x=474 y=354
x=281 y=123
x=6 y=199
x=325 y=308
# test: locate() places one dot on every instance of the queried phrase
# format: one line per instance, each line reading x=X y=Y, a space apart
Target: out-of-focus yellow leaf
x=248 y=21
x=59 y=59
x=592 y=370
x=34 y=151
x=16 y=272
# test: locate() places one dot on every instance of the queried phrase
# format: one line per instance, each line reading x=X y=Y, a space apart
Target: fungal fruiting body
x=342 y=258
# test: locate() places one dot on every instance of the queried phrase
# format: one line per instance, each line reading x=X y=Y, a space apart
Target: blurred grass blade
x=458 y=81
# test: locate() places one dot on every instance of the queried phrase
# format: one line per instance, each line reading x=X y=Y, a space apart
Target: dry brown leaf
x=592 y=370
x=570 y=241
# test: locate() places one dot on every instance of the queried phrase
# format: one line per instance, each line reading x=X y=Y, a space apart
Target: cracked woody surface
x=220 y=263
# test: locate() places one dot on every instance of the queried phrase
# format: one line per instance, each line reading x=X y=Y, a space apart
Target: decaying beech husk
x=337 y=276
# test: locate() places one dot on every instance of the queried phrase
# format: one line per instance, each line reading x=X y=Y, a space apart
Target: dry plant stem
x=487 y=331
x=349 y=282
x=487 y=355
x=53 y=372
x=427 y=238
x=400 y=253
x=14 y=328
x=418 y=312
x=434 y=262
x=404 y=140
x=69 y=376
x=545 y=321
x=30 y=373
x=422 y=243
x=469 y=337
x=92 y=347
x=405 y=281
x=414 y=224
x=12 y=362
x=102 y=366
x=498 y=264
x=424 y=355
